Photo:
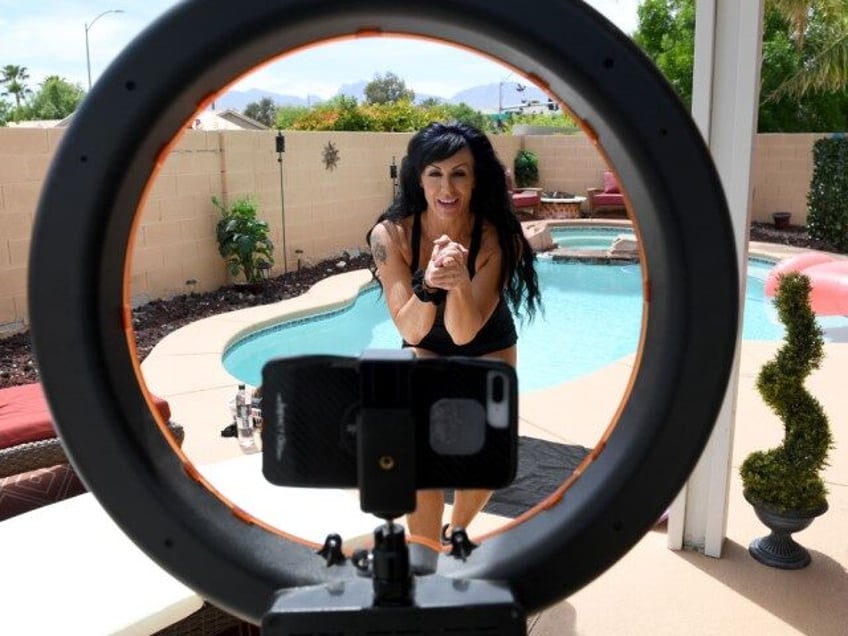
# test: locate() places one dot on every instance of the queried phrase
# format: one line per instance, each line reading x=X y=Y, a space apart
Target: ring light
x=81 y=321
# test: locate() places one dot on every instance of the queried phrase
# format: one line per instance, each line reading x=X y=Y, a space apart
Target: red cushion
x=24 y=416
x=610 y=183
x=608 y=199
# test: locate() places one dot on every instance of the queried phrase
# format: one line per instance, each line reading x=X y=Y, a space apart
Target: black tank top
x=498 y=332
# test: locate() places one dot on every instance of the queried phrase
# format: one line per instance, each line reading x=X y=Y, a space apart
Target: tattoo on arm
x=379 y=251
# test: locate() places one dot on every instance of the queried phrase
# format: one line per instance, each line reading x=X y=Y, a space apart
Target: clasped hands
x=446 y=269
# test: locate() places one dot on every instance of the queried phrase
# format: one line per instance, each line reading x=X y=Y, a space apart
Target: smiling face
x=448 y=185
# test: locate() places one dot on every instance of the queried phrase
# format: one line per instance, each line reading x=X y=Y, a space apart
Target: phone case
x=463 y=413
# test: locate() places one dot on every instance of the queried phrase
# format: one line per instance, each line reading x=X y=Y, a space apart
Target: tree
x=464 y=113
x=264 y=111
x=387 y=89
x=788 y=477
x=431 y=102
x=804 y=70
x=287 y=116
x=13 y=78
x=666 y=32
x=818 y=31
x=400 y=116
x=342 y=112
x=556 y=119
x=5 y=112
x=56 y=99
x=803 y=77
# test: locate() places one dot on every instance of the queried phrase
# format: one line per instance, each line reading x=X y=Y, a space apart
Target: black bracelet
x=436 y=297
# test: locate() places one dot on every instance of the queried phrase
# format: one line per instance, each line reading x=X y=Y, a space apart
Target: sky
x=48 y=37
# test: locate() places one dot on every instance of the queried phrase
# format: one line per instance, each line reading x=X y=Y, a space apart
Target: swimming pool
x=592 y=318
x=567 y=341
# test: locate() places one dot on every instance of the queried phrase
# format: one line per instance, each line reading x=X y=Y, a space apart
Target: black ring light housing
x=78 y=273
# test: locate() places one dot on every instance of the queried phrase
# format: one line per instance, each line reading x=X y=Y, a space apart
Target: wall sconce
x=281 y=145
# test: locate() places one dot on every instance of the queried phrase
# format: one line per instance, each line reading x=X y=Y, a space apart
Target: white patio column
x=725 y=97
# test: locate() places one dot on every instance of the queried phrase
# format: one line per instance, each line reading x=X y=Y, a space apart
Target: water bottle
x=244 y=425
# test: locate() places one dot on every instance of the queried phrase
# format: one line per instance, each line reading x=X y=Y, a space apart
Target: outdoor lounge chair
x=523 y=199
x=606 y=199
x=34 y=469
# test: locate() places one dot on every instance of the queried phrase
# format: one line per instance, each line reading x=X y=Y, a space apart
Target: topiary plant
x=243 y=239
x=788 y=477
x=526 y=168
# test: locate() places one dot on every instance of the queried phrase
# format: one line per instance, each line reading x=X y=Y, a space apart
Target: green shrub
x=788 y=477
x=344 y=113
x=243 y=239
x=827 y=200
x=526 y=168
x=399 y=116
x=554 y=119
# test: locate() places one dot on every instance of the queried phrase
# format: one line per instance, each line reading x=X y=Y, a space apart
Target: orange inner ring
x=191 y=471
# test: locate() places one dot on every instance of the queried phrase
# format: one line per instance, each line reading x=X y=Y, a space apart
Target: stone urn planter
x=784 y=484
x=779 y=549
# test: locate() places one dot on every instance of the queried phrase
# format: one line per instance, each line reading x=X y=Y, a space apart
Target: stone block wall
x=327 y=207
x=25 y=155
x=782 y=168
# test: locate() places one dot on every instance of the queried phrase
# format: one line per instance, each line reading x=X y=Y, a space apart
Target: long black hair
x=489 y=199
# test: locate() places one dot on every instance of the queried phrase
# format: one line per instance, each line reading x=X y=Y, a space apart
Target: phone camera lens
x=497 y=389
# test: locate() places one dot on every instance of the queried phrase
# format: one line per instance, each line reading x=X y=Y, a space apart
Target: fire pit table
x=555 y=205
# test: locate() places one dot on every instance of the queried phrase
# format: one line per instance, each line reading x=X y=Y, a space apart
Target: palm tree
x=13 y=77
x=819 y=31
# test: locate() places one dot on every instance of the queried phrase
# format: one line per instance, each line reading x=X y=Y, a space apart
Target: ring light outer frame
x=80 y=263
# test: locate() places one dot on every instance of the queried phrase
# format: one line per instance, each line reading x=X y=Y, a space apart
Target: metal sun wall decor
x=331 y=156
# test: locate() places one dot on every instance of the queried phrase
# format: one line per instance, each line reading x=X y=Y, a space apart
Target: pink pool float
x=828 y=280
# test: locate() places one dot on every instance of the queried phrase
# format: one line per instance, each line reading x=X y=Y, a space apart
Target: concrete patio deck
x=652 y=590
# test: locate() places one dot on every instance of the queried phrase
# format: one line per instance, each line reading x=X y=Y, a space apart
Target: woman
x=453 y=261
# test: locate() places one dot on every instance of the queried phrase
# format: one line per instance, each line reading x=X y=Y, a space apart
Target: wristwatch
x=437 y=297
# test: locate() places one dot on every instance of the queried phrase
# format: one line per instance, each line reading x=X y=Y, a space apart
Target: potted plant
x=781 y=219
x=784 y=484
x=526 y=168
x=243 y=240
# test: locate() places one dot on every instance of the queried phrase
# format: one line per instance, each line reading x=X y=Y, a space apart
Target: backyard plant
x=526 y=168
x=243 y=239
x=788 y=478
x=827 y=200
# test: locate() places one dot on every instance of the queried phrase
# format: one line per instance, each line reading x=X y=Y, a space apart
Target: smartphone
x=456 y=417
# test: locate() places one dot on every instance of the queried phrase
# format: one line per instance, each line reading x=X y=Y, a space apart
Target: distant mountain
x=486 y=98
x=357 y=90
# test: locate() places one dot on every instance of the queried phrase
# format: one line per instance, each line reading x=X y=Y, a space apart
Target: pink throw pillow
x=610 y=183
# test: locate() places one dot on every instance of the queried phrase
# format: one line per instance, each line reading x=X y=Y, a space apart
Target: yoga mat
x=542 y=467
